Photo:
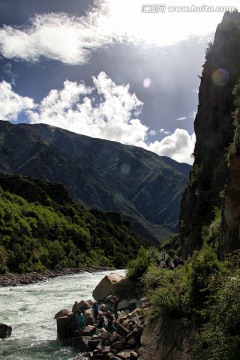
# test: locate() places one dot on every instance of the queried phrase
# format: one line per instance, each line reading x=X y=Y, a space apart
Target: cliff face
x=167 y=339
x=204 y=195
x=230 y=225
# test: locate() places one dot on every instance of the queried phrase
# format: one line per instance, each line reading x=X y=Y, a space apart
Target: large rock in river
x=115 y=285
x=5 y=331
x=105 y=287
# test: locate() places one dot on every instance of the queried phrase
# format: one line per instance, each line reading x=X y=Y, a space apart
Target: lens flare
x=146 y=82
x=220 y=77
x=125 y=168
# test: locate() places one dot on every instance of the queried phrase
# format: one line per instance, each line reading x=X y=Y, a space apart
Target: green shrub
x=204 y=265
x=167 y=290
x=138 y=266
x=221 y=333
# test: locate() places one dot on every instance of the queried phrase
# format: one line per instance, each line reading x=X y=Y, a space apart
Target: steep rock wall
x=167 y=339
x=214 y=133
x=230 y=225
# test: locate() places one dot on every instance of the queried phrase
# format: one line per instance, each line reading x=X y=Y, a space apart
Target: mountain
x=41 y=227
x=210 y=208
x=144 y=187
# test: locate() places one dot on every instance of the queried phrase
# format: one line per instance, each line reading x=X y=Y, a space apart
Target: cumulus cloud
x=12 y=104
x=178 y=146
x=104 y=110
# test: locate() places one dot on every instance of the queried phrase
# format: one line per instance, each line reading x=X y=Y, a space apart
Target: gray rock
x=78 y=343
x=62 y=313
x=5 y=331
x=93 y=343
x=117 y=346
x=133 y=355
x=89 y=330
x=84 y=305
x=121 y=330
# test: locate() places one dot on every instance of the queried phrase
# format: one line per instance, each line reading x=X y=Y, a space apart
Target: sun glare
x=138 y=20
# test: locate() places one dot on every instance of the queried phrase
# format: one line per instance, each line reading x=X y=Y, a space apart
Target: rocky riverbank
x=115 y=332
x=13 y=279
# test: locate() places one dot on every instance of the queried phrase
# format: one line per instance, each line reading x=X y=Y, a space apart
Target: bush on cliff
x=221 y=333
x=138 y=266
x=206 y=293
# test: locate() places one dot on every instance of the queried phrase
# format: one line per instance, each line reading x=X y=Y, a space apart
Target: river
x=30 y=310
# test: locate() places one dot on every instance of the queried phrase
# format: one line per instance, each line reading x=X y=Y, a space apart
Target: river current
x=30 y=310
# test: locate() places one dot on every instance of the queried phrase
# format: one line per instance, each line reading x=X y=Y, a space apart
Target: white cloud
x=71 y=40
x=152 y=133
x=105 y=111
x=56 y=36
x=163 y=131
x=12 y=104
x=178 y=146
x=181 y=118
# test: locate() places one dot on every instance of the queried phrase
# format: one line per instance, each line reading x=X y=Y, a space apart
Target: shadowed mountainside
x=144 y=187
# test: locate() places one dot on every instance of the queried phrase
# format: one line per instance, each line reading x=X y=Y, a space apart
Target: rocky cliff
x=209 y=206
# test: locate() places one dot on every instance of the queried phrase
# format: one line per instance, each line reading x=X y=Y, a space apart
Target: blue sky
x=117 y=70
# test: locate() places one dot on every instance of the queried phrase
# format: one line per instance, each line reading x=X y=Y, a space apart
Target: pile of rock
x=98 y=343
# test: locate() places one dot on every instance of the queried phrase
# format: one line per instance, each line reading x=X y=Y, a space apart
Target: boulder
x=127 y=305
x=66 y=327
x=106 y=307
x=93 y=343
x=105 y=287
x=118 y=346
x=62 y=313
x=84 y=305
x=121 y=330
x=133 y=355
x=143 y=302
x=125 y=355
x=124 y=288
x=89 y=330
x=5 y=331
x=78 y=343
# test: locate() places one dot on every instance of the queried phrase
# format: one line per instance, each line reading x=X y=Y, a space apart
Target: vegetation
x=42 y=228
x=203 y=291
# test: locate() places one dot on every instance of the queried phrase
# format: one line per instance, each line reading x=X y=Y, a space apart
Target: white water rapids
x=30 y=310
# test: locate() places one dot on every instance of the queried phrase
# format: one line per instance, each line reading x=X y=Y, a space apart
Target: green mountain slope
x=144 y=187
x=41 y=227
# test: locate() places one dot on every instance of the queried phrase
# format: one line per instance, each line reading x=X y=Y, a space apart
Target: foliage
x=206 y=292
x=183 y=291
x=137 y=267
x=172 y=246
x=203 y=267
x=236 y=94
x=50 y=231
x=211 y=233
x=233 y=147
x=167 y=290
x=209 y=48
x=221 y=333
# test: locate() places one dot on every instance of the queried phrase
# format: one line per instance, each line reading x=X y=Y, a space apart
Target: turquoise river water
x=30 y=310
